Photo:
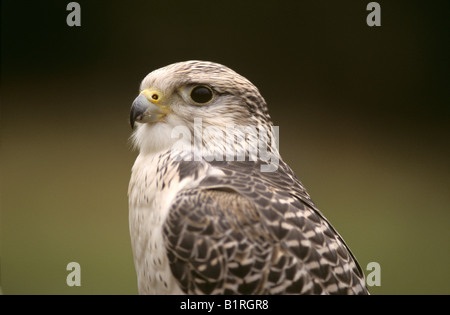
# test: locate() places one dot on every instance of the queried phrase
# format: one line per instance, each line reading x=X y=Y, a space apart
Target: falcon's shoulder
x=248 y=232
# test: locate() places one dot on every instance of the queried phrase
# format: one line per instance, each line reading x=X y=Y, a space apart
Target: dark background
x=363 y=115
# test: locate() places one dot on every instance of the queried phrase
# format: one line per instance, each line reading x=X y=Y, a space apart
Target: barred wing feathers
x=249 y=232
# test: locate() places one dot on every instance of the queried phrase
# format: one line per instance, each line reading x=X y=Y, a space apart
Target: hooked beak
x=144 y=110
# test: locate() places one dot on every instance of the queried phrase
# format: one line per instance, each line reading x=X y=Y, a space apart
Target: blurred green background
x=363 y=115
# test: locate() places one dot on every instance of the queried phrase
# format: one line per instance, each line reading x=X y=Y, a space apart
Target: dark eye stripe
x=201 y=94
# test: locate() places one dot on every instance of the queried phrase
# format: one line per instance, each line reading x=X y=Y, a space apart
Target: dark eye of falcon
x=201 y=94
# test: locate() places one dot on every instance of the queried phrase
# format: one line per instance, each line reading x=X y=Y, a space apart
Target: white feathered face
x=185 y=93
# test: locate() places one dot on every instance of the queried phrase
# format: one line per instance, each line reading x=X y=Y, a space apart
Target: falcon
x=209 y=215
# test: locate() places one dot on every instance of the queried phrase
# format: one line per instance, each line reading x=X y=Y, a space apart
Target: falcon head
x=178 y=94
